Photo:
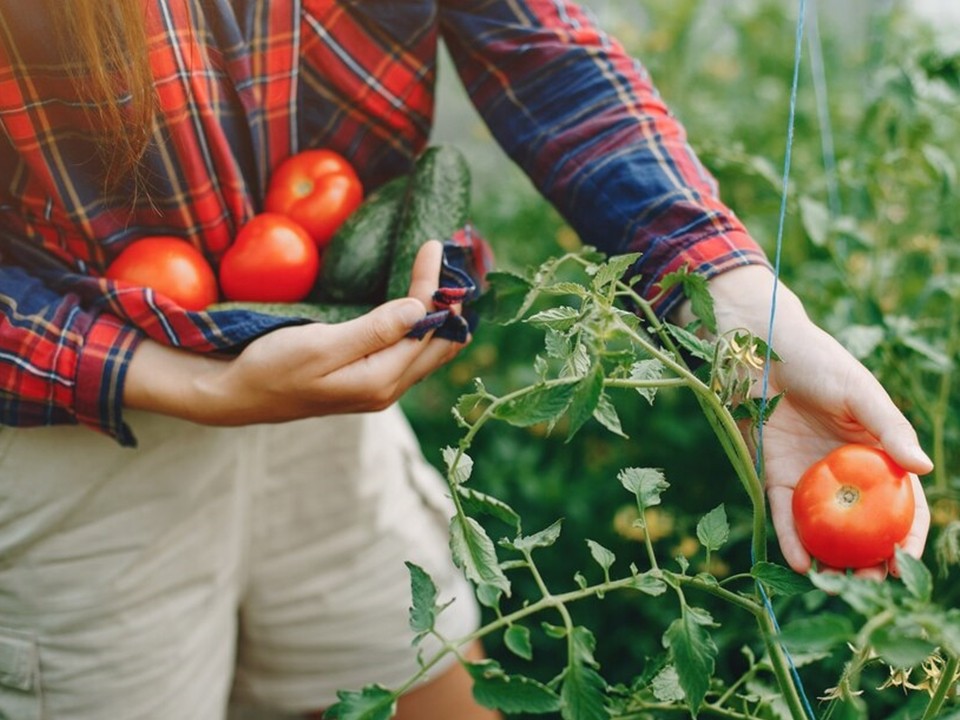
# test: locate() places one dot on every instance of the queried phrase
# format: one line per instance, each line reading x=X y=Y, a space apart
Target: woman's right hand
x=301 y=371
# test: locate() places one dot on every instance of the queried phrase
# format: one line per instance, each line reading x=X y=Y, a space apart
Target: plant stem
x=948 y=679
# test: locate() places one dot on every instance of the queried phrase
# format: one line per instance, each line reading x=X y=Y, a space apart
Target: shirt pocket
x=20 y=695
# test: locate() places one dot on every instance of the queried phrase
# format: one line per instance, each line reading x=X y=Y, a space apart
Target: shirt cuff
x=101 y=371
x=708 y=256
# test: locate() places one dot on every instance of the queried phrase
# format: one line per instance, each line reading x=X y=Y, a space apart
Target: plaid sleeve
x=60 y=363
x=584 y=121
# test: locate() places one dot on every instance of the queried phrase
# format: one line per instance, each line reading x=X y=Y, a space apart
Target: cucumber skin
x=316 y=312
x=356 y=263
x=438 y=206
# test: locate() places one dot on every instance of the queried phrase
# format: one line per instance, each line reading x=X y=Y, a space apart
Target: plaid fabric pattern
x=242 y=84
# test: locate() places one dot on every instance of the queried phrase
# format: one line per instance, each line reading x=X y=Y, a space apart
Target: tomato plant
x=853 y=507
x=170 y=266
x=272 y=259
x=318 y=189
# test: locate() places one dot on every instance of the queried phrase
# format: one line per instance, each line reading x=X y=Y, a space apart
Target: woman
x=253 y=539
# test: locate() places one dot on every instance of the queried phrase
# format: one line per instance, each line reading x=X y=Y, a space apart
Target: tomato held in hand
x=853 y=507
x=170 y=266
x=316 y=188
x=272 y=259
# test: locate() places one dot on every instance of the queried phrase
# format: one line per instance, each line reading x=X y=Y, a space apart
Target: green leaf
x=544 y=538
x=915 y=575
x=817 y=633
x=544 y=403
x=604 y=557
x=694 y=656
x=648 y=584
x=510 y=694
x=780 y=580
x=423 y=612
x=475 y=502
x=583 y=689
x=646 y=371
x=517 y=640
x=464 y=465
x=606 y=414
x=585 y=399
x=508 y=297
x=613 y=270
x=666 y=685
x=694 y=288
x=646 y=483
x=713 y=530
x=691 y=343
x=557 y=318
x=867 y=597
x=898 y=649
x=474 y=553
x=372 y=703
x=489 y=596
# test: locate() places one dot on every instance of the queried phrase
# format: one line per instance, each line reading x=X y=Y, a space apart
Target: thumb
x=382 y=327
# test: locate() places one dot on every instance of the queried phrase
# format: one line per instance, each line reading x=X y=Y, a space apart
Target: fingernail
x=921 y=457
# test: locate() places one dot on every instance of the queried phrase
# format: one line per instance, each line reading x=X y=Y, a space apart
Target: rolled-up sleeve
x=584 y=121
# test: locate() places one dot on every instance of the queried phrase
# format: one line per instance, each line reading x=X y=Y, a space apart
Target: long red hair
x=107 y=45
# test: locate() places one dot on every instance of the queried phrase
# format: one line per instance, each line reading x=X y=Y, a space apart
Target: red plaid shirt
x=245 y=83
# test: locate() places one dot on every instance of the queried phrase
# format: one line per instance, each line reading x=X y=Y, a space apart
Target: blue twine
x=823 y=113
x=773 y=310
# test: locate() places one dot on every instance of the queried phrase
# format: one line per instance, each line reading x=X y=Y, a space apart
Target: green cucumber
x=438 y=205
x=316 y=312
x=356 y=263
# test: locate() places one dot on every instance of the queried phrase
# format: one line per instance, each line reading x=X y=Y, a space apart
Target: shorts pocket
x=20 y=696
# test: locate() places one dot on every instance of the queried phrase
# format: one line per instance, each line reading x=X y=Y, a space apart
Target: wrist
x=175 y=382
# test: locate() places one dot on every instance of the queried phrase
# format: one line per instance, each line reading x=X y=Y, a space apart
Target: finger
x=425 y=277
x=381 y=328
x=916 y=539
x=872 y=406
x=781 y=513
x=876 y=572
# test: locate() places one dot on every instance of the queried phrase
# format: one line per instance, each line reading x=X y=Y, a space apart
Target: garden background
x=871 y=245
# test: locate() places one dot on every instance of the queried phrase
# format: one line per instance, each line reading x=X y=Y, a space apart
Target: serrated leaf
x=489 y=596
x=695 y=289
x=474 y=553
x=372 y=703
x=694 y=656
x=585 y=399
x=915 y=576
x=604 y=557
x=817 y=633
x=867 y=597
x=464 y=465
x=557 y=345
x=565 y=288
x=646 y=483
x=583 y=689
x=780 y=580
x=475 y=502
x=606 y=414
x=517 y=640
x=648 y=584
x=899 y=650
x=423 y=611
x=713 y=530
x=614 y=270
x=510 y=694
x=691 y=343
x=557 y=318
x=544 y=538
x=543 y=404
x=666 y=685
x=647 y=371
x=507 y=298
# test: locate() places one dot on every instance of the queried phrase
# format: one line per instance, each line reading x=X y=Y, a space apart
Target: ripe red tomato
x=853 y=507
x=316 y=188
x=170 y=266
x=272 y=259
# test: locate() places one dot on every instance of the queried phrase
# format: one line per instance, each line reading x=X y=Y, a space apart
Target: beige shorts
x=265 y=562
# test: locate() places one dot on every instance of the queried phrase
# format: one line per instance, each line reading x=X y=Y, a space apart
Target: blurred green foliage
x=875 y=257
